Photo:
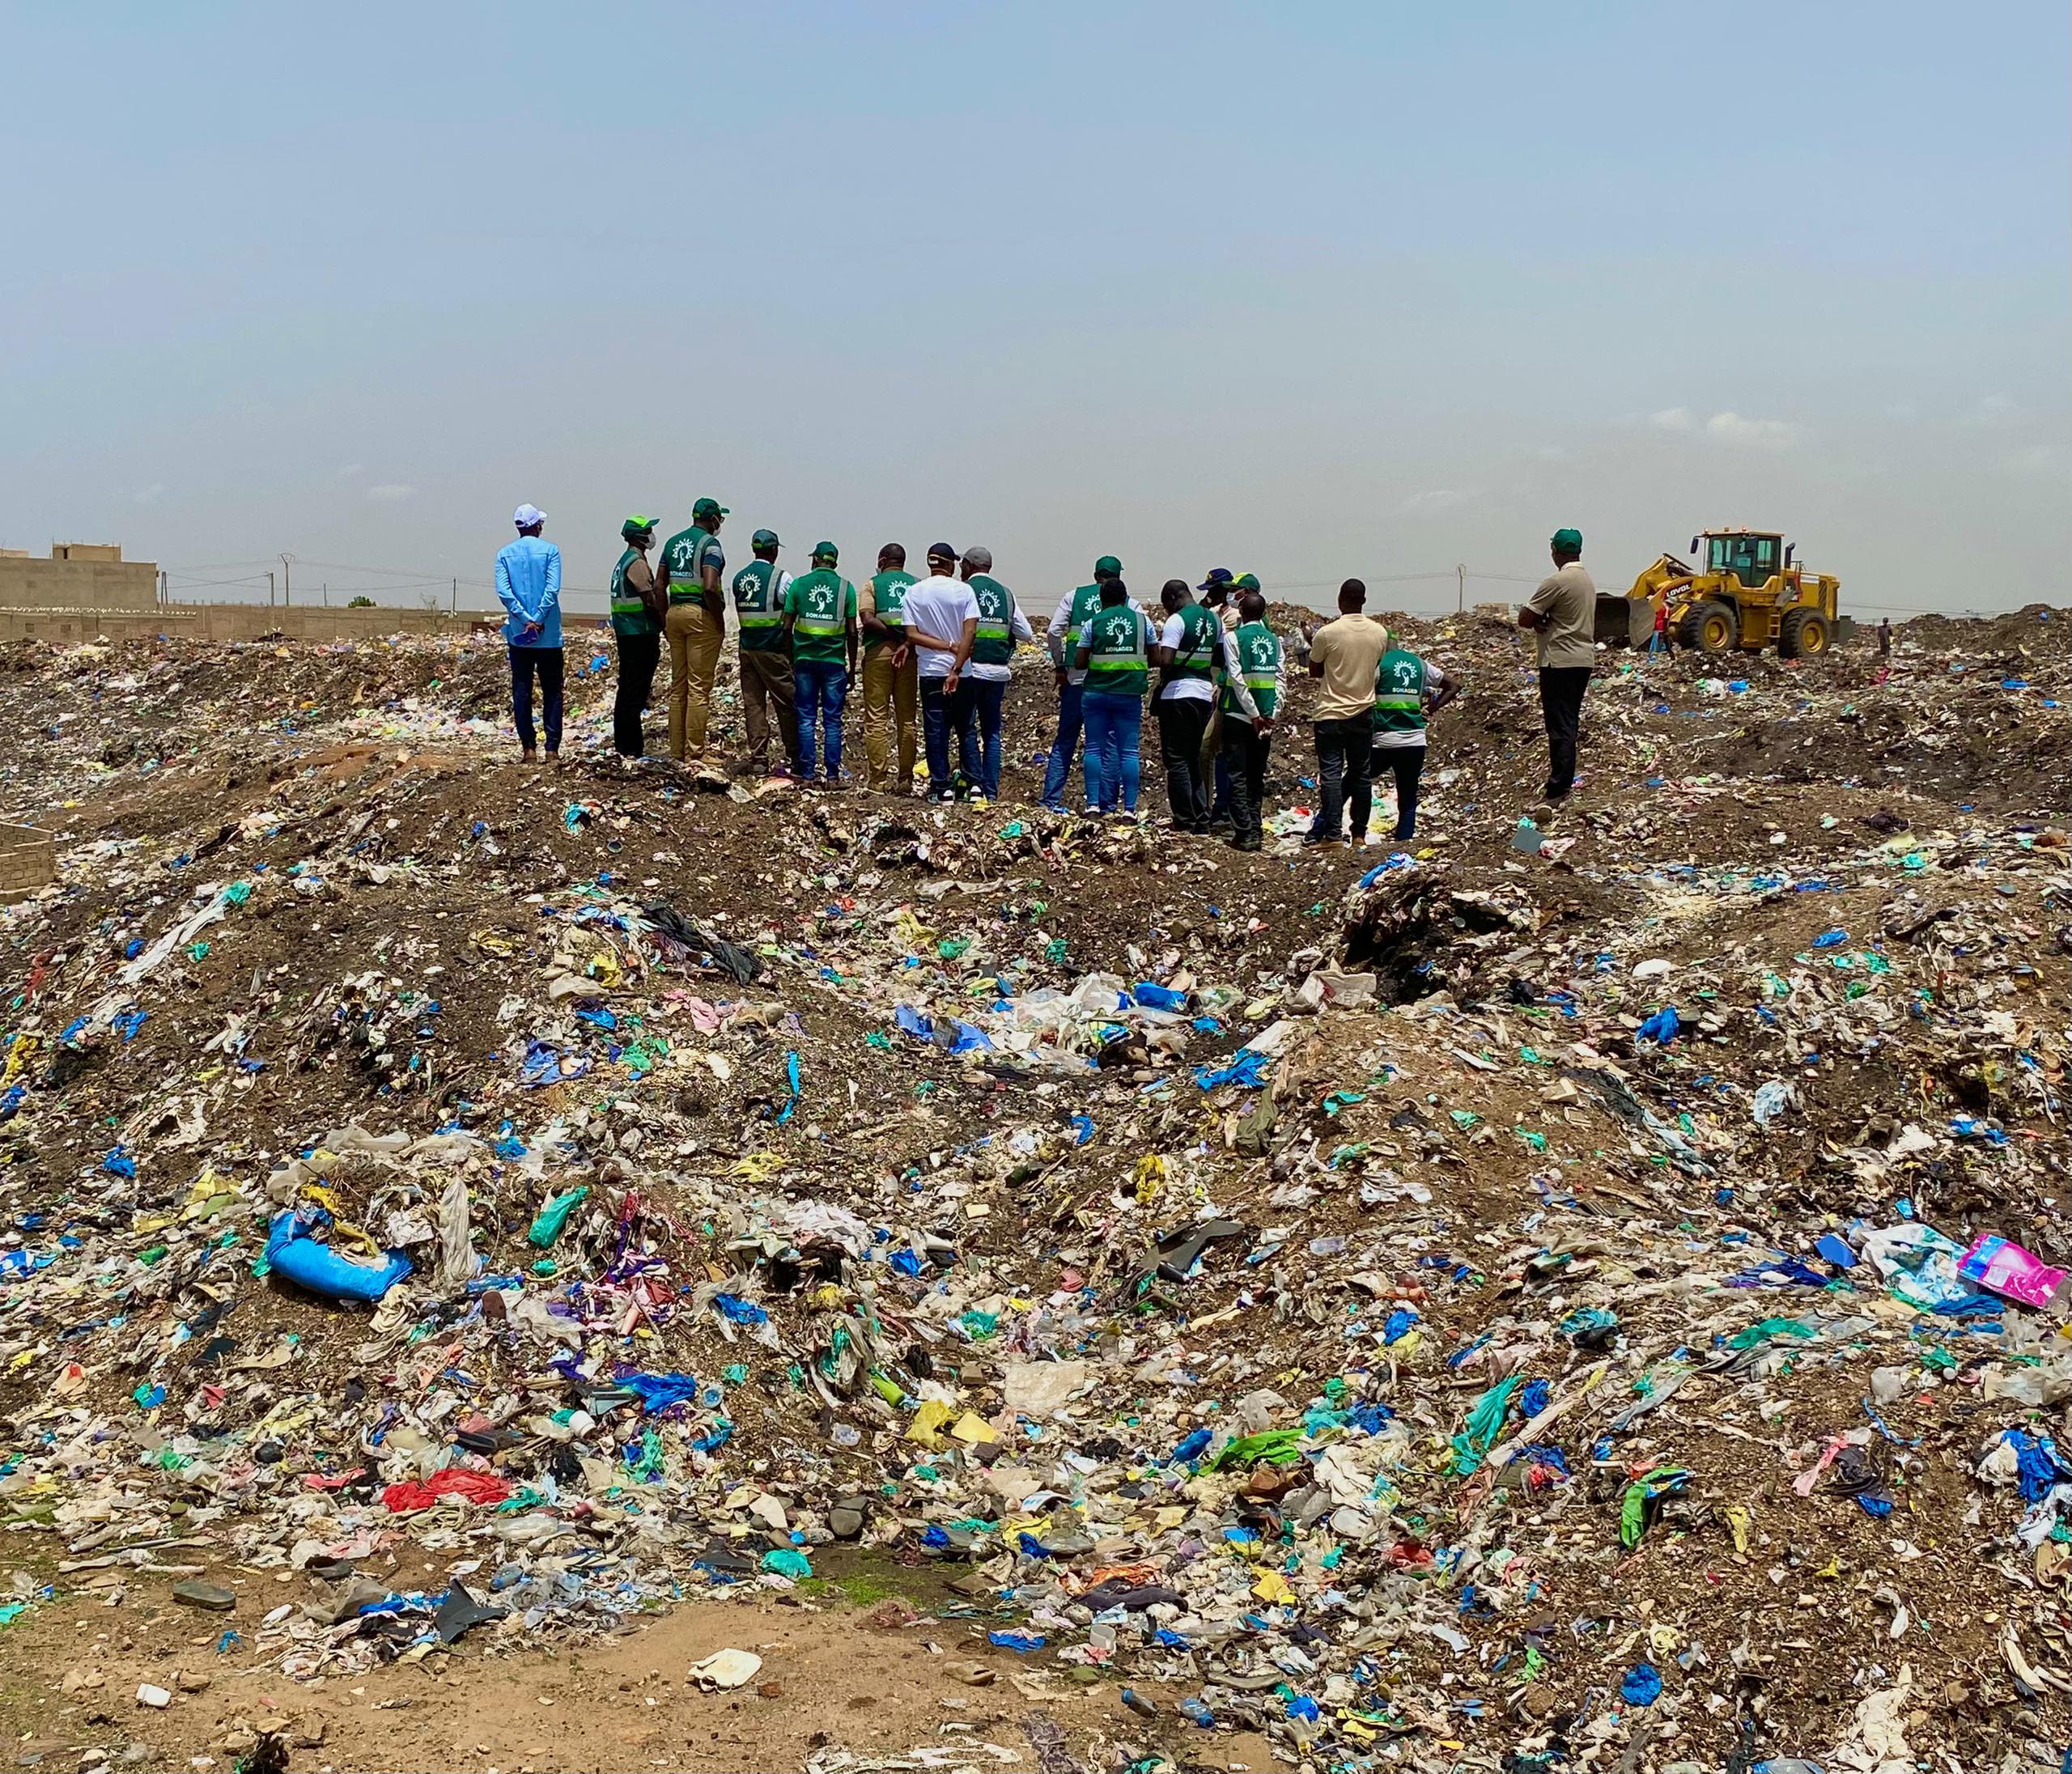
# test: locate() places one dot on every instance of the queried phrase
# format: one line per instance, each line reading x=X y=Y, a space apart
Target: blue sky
x=1308 y=291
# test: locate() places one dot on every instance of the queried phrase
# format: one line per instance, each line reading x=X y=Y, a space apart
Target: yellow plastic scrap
x=1738 y=1519
x=1272 y=1589
x=926 y=1427
x=494 y=942
x=341 y=1228
x=760 y=1166
x=1150 y=1179
x=972 y=1429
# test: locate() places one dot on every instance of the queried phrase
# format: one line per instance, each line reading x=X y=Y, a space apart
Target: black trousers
x=1408 y=764
x=1561 y=689
x=546 y=661
x=1344 y=754
x=1243 y=757
x=1182 y=724
x=638 y=655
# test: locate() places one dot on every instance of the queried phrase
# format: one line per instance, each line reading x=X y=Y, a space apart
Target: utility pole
x=325 y=591
x=269 y=588
x=163 y=596
x=1460 y=574
x=453 y=607
x=287 y=583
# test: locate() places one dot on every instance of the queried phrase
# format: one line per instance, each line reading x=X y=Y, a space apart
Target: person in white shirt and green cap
x=766 y=687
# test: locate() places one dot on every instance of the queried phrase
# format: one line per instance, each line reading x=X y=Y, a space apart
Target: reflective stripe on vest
x=625 y=602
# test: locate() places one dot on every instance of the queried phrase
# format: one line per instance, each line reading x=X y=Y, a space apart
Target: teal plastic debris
x=554 y=1215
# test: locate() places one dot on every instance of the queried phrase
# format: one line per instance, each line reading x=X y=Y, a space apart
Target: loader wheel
x=1802 y=634
x=1709 y=627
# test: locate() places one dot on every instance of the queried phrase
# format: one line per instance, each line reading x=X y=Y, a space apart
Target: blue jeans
x=1059 y=765
x=985 y=700
x=819 y=687
x=1114 y=724
x=941 y=717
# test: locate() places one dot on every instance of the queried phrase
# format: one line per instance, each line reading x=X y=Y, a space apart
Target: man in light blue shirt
x=529 y=583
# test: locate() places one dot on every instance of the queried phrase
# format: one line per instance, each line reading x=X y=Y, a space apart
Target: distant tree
x=359 y=603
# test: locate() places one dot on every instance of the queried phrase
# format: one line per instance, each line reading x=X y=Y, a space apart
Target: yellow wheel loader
x=1749 y=595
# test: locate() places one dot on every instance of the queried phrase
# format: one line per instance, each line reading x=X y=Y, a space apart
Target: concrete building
x=79 y=576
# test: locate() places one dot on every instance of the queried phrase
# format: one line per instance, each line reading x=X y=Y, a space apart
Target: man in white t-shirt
x=942 y=621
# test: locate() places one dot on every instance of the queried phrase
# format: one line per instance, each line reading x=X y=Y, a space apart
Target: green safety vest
x=629 y=616
x=821 y=604
x=993 y=642
x=1117 y=657
x=1399 y=693
x=888 y=593
x=755 y=603
x=1258 y=663
x=1200 y=651
x=1084 y=601
x=685 y=554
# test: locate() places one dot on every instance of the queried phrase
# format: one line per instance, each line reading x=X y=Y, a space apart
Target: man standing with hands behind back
x=692 y=560
x=1346 y=654
x=1560 y=616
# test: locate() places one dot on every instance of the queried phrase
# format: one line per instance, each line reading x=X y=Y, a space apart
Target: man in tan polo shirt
x=1560 y=616
x=1345 y=654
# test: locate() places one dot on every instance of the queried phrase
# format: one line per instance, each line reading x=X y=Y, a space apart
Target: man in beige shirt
x=1345 y=654
x=1562 y=616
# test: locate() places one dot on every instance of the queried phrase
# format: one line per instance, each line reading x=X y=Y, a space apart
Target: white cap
x=527 y=515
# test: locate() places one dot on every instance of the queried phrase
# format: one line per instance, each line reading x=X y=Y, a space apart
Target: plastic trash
x=293 y=1254
x=2007 y=1269
x=547 y=1224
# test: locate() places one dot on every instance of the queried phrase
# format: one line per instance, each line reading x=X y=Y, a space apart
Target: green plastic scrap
x=1634 y=1509
x=1464 y=1118
x=1280 y=1446
x=237 y=893
x=952 y=947
x=1343 y=1099
x=1768 y=1329
x=554 y=1215
x=1485 y=1421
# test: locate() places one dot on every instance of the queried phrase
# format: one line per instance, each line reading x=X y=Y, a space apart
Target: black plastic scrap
x=462 y=1612
x=744 y=966
x=1177 y=1250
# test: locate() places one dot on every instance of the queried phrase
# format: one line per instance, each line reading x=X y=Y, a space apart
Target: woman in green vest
x=1404 y=685
x=1115 y=652
x=638 y=609
x=1254 y=682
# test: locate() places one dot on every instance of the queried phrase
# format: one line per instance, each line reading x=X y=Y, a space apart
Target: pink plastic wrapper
x=2010 y=1271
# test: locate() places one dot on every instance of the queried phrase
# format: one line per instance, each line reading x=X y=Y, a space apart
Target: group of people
x=933 y=656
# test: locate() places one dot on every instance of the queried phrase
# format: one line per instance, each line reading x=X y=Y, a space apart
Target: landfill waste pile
x=1587 y=1298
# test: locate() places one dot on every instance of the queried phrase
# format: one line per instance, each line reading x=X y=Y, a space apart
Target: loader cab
x=1755 y=560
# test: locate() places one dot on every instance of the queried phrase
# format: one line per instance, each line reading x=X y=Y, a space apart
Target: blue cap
x=1218 y=576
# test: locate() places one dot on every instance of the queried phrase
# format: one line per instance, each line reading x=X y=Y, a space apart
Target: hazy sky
x=1308 y=290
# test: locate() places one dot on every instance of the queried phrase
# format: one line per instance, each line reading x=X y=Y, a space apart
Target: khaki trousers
x=890 y=698
x=694 y=634
x=766 y=691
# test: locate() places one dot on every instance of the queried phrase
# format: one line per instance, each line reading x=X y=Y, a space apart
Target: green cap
x=1246 y=582
x=637 y=525
x=825 y=551
x=708 y=507
x=1109 y=564
x=763 y=539
x=1569 y=539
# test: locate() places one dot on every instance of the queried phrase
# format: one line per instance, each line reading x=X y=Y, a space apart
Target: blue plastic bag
x=321 y=1269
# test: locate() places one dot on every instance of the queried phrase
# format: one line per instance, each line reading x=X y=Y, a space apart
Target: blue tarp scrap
x=1247 y=1068
x=947 y=1033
